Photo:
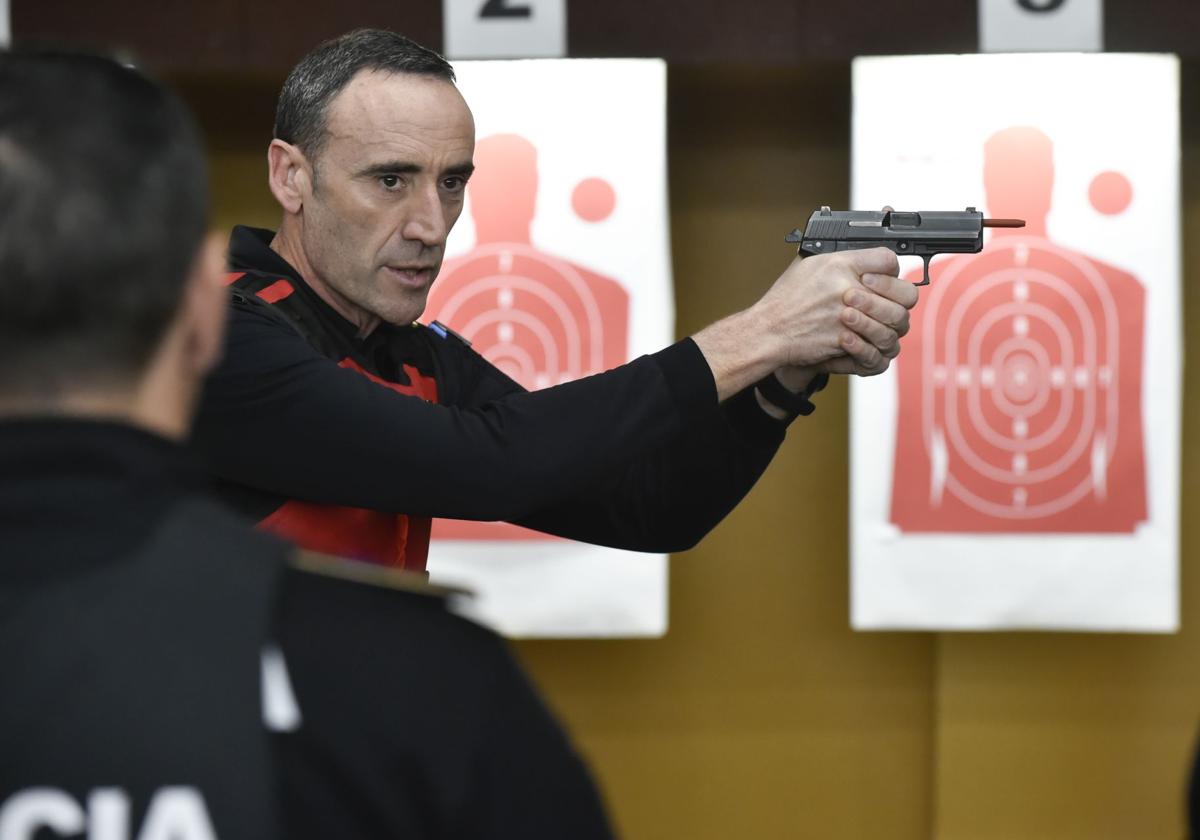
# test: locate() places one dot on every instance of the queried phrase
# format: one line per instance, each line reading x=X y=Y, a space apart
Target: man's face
x=389 y=184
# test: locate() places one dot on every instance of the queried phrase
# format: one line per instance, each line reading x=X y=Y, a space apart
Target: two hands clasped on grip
x=841 y=313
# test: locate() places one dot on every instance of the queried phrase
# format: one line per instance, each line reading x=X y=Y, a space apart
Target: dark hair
x=300 y=115
x=103 y=207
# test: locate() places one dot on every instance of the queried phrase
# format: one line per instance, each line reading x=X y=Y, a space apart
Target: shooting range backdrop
x=559 y=268
x=1019 y=466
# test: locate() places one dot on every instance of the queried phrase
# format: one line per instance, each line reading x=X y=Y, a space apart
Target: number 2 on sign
x=1031 y=6
x=501 y=9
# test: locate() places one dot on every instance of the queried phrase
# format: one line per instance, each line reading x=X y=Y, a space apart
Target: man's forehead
x=376 y=101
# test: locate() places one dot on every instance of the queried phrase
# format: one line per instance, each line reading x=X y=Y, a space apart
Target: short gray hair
x=302 y=111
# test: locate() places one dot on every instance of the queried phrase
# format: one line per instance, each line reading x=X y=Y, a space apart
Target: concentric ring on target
x=1003 y=317
x=1023 y=377
x=1067 y=411
x=1018 y=375
x=506 y=295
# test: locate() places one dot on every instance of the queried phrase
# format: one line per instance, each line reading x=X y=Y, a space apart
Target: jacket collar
x=77 y=492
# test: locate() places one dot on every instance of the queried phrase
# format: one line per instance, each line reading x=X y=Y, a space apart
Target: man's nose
x=424 y=219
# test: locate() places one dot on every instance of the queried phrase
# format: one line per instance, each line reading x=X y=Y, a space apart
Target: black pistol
x=922 y=234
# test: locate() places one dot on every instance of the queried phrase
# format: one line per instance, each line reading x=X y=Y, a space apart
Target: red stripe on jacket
x=276 y=292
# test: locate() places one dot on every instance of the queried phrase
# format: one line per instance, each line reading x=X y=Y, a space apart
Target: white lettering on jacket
x=175 y=813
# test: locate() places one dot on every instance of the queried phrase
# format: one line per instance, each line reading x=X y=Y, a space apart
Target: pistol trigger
x=926 y=260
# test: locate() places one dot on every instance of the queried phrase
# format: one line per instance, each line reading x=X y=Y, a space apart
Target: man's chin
x=401 y=314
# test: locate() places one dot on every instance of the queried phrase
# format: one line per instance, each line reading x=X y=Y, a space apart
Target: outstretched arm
x=281 y=418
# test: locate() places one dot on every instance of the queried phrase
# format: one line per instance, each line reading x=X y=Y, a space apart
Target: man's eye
x=454 y=183
x=390 y=182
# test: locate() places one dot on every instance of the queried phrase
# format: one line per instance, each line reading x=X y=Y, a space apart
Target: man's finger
x=870 y=361
x=874 y=261
x=893 y=288
x=842 y=365
x=881 y=336
x=847 y=366
x=881 y=309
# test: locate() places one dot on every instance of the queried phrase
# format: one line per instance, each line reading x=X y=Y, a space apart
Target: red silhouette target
x=540 y=318
x=1020 y=382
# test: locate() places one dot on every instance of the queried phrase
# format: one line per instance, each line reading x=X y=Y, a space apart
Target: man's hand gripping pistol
x=922 y=234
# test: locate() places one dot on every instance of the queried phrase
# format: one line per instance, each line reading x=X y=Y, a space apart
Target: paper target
x=538 y=318
x=557 y=269
x=1025 y=364
x=1018 y=467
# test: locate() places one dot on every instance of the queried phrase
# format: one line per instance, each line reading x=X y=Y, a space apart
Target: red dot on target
x=1110 y=193
x=593 y=199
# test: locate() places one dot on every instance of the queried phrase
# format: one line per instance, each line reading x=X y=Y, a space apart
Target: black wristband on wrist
x=794 y=404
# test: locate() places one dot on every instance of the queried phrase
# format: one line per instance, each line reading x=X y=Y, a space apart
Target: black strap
x=798 y=403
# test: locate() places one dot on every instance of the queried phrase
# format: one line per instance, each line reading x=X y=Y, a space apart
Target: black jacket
x=149 y=639
x=303 y=415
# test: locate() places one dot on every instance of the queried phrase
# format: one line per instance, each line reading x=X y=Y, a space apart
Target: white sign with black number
x=1041 y=25
x=505 y=28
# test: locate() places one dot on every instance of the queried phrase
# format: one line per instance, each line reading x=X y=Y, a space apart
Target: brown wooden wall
x=267 y=36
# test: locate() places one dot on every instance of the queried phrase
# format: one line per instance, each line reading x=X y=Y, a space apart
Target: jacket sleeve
x=671 y=497
x=617 y=458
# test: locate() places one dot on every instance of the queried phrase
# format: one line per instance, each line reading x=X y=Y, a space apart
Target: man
x=168 y=671
x=339 y=422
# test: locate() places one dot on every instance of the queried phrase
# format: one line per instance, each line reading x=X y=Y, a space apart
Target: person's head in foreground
x=110 y=296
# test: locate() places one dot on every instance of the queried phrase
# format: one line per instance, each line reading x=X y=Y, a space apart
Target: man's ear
x=206 y=306
x=287 y=175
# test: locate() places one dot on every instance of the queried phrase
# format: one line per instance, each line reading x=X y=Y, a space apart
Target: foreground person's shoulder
x=330 y=567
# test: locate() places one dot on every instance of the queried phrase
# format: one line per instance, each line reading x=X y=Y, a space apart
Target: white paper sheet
x=558 y=268
x=1019 y=466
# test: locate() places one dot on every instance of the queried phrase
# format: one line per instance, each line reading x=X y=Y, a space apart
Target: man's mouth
x=417 y=276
